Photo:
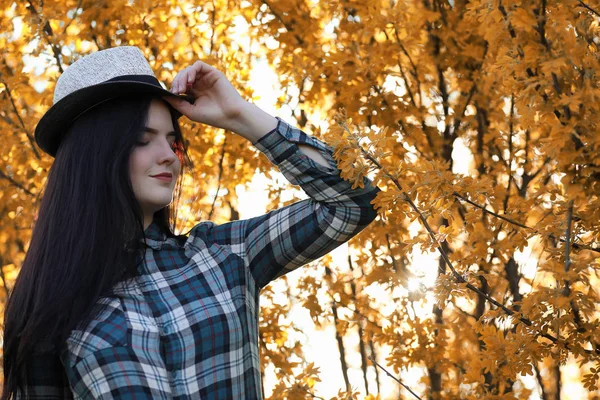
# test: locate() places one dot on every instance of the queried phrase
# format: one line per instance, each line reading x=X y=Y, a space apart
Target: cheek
x=136 y=166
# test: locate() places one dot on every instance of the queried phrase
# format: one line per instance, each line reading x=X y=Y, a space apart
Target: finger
x=177 y=86
x=202 y=69
x=189 y=84
x=191 y=77
x=183 y=79
x=179 y=104
x=174 y=88
x=173 y=102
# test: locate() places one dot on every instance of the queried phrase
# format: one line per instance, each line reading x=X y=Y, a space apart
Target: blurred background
x=482 y=113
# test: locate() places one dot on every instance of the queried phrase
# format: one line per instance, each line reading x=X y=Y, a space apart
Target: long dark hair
x=87 y=234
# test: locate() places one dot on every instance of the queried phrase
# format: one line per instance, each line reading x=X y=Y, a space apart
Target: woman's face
x=154 y=155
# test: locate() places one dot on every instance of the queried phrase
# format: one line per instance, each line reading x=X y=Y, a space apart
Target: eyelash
x=173 y=146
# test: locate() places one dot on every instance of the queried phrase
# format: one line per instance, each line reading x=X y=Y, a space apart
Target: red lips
x=164 y=174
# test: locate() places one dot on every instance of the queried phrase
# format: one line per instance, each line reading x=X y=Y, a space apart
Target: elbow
x=343 y=223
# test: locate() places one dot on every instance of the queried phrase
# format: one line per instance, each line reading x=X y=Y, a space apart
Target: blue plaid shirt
x=187 y=327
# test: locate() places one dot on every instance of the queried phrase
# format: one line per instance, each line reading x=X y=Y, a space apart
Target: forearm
x=254 y=123
x=313 y=153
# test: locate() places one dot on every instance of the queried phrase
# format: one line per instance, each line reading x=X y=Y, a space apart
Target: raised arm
x=287 y=238
x=284 y=239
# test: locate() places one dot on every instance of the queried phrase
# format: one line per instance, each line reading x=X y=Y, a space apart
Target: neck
x=147 y=222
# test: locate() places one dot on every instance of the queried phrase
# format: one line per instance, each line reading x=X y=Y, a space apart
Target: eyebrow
x=154 y=131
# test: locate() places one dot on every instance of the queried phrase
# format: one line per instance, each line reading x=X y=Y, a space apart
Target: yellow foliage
x=479 y=118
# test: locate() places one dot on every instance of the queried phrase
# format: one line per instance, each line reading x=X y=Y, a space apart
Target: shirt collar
x=155 y=237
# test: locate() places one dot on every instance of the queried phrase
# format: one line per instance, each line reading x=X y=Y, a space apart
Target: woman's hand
x=217 y=102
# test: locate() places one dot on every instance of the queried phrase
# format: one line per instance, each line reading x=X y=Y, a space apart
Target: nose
x=167 y=155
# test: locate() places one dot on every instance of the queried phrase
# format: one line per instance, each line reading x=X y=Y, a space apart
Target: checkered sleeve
x=289 y=237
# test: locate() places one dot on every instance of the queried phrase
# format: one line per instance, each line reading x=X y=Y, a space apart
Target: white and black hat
x=92 y=80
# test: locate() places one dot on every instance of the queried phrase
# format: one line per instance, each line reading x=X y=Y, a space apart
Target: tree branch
x=578 y=246
x=17 y=184
x=47 y=30
x=3 y=278
x=16 y=110
x=568 y=239
x=393 y=377
x=485 y=210
x=459 y=278
x=221 y=158
x=589 y=8
x=74 y=16
x=287 y=26
x=415 y=73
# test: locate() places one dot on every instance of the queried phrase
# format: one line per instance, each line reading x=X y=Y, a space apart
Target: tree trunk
x=339 y=339
x=435 y=376
x=361 y=342
x=557 y=381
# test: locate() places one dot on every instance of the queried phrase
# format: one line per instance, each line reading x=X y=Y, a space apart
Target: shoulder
x=228 y=237
x=199 y=236
x=107 y=328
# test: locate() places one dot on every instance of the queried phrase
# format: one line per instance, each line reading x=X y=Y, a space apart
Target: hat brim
x=59 y=117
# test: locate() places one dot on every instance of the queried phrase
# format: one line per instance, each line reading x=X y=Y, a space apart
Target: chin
x=158 y=205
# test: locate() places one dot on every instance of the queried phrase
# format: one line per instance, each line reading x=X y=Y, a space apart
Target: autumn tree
x=478 y=121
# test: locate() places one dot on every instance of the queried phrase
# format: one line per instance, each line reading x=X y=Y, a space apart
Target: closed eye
x=174 y=145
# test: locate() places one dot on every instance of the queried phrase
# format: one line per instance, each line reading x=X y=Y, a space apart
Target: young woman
x=110 y=303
